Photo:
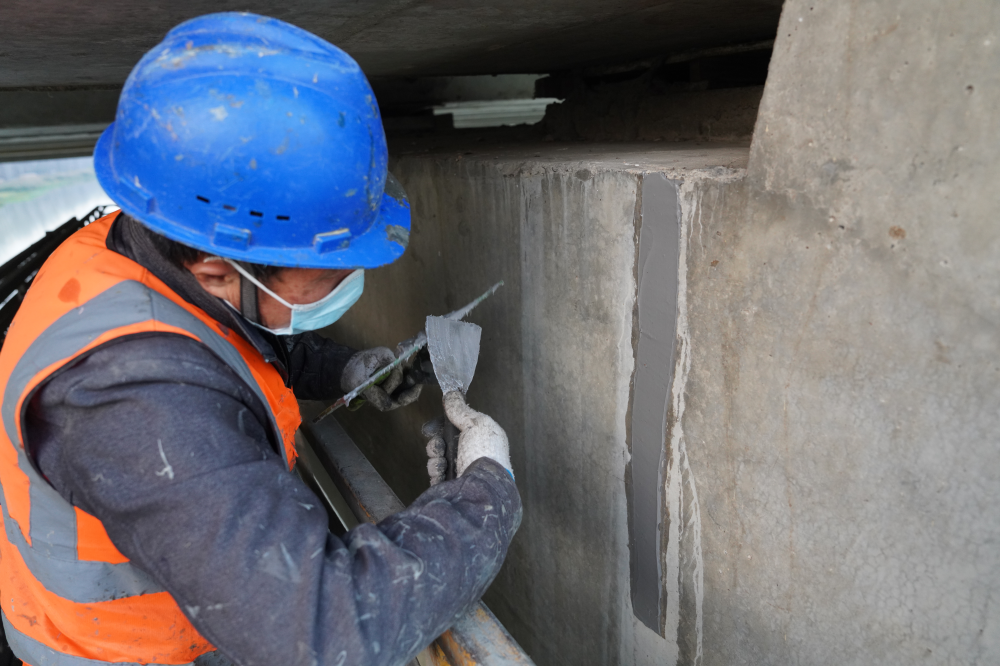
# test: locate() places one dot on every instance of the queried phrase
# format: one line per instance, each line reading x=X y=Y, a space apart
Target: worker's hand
x=394 y=391
x=481 y=437
x=437 y=450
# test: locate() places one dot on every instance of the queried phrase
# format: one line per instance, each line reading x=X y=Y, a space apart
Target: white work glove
x=364 y=364
x=481 y=437
x=437 y=450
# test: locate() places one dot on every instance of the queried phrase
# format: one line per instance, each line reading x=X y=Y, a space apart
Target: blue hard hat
x=252 y=139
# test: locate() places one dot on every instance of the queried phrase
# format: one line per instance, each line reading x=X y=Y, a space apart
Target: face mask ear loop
x=248 y=300
x=260 y=285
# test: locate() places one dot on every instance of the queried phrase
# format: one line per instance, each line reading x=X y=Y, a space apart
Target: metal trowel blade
x=454 y=349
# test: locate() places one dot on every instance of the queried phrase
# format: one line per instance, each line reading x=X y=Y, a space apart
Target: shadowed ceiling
x=73 y=43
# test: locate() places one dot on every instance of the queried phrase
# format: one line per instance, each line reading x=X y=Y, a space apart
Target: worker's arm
x=240 y=542
x=315 y=365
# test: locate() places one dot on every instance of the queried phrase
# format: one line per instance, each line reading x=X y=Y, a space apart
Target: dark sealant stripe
x=51 y=558
x=659 y=247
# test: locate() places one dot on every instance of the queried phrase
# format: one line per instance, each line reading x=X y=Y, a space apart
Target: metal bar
x=478 y=638
x=311 y=468
x=407 y=354
x=418 y=343
x=367 y=494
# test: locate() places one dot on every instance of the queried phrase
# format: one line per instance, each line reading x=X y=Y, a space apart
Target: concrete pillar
x=830 y=470
x=842 y=401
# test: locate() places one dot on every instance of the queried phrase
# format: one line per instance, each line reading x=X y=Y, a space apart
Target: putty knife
x=418 y=343
x=454 y=349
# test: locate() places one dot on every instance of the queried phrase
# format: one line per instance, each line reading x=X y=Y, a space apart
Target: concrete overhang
x=65 y=43
x=63 y=63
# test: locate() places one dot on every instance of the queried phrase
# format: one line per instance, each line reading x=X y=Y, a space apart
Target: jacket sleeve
x=239 y=541
x=314 y=365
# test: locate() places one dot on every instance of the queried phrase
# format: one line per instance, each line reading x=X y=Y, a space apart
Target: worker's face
x=295 y=285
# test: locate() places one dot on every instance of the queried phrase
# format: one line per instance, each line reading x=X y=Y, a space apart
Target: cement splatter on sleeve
x=239 y=541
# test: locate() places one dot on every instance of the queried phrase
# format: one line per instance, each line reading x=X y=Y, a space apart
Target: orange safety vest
x=68 y=597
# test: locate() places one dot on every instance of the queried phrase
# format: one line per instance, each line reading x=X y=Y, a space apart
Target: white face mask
x=312 y=316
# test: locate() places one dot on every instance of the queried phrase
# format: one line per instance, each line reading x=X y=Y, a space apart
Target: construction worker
x=150 y=382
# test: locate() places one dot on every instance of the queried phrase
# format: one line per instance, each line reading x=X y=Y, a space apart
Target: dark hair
x=180 y=255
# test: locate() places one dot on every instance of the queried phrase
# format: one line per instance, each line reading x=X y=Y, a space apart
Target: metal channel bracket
x=330 y=456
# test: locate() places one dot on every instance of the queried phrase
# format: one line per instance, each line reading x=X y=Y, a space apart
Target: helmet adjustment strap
x=248 y=300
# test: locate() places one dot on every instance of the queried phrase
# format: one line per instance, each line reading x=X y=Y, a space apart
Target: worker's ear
x=217 y=277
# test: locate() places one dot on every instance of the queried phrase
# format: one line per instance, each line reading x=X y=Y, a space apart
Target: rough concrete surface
x=555 y=368
x=627 y=112
x=831 y=460
x=842 y=404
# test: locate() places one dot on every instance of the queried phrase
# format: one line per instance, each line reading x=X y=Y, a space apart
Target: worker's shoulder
x=148 y=358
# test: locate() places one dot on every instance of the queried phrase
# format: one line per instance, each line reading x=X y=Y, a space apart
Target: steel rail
x=478 y=638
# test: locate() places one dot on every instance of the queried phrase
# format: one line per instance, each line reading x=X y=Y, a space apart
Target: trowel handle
x=450 y=435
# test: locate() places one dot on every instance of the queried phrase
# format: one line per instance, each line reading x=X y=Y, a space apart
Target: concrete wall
x=831 y=462
x=842 y=402
x=557 y=361
x=615 y=115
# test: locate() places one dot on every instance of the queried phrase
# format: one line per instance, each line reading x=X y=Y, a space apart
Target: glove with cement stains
x=364 y=364
x=437 y=450
x=481 y=437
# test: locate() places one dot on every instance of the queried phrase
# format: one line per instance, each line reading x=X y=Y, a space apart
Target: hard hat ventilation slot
x=254 y=213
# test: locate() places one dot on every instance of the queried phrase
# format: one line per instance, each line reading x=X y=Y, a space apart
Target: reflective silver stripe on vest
x=52 y=556
x=53 y=560
x=29 y=650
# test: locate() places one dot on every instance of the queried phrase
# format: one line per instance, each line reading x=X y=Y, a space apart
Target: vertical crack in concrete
x=682 y=560
x=684 y=366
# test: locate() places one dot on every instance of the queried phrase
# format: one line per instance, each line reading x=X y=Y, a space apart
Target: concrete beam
x=42 y=107
x=38 y=143
x=59 y=42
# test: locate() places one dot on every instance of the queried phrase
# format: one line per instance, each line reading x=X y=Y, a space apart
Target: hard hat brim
x=384 y=242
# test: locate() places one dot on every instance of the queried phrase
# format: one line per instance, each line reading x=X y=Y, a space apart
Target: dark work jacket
x=241 y=543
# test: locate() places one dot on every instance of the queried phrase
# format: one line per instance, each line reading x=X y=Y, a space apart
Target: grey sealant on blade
x=454 y=350
x=418 y=343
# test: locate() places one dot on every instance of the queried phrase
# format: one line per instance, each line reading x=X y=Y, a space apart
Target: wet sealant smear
x=659 y=241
